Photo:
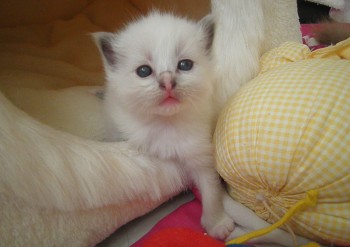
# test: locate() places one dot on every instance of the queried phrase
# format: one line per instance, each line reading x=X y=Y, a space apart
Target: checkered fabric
x=288 y=132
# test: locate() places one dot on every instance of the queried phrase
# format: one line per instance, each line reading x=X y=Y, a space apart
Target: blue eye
x=144 y=71
x=185 y=65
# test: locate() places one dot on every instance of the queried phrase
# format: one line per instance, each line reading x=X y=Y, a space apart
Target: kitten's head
x=158 y=65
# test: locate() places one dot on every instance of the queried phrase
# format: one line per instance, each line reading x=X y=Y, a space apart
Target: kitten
x=159 y=98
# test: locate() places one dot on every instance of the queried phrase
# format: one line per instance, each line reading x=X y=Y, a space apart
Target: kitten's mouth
x=169 y=98
x=169 y=105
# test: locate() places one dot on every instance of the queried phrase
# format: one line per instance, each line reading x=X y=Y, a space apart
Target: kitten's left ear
x=104 y=42
x=208 y=25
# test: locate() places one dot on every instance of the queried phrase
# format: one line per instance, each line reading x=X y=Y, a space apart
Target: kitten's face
x=158 y=65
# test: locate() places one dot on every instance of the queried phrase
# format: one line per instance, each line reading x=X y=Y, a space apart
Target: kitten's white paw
x=220 y=229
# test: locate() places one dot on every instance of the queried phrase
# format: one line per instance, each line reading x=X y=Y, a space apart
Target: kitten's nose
x=166 y=81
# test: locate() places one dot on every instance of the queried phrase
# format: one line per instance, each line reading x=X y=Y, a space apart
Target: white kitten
x=159 y=98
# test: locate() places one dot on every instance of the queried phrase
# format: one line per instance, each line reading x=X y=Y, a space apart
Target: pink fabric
x=307 y=34
x=306 y=29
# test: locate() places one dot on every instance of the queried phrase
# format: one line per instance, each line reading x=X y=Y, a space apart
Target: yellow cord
x=308 y=201
x=312 y=244
x=266 y=205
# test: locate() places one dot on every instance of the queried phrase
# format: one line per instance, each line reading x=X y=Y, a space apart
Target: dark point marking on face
x=208 y=26
x=104 y=41
x=108 y=51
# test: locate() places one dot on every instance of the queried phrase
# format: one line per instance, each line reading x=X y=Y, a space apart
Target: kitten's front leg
x=214 y=219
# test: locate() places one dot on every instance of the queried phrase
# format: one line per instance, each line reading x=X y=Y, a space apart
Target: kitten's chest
x=170 y=141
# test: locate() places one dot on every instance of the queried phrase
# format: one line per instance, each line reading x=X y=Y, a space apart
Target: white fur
x=176 y=132
x=341 y=14
x=244 y=30
x=239 y=27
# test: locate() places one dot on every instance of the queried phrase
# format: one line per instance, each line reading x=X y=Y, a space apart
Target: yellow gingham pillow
x=287 y=132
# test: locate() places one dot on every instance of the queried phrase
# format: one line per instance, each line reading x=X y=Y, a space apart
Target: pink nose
x=166 y=81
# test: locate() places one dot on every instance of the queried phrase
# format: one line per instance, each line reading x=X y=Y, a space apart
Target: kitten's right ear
x=104 y=42
x=208 y=25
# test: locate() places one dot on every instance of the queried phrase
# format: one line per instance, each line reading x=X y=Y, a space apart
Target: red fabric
x=180 y=237
x=186 y=216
